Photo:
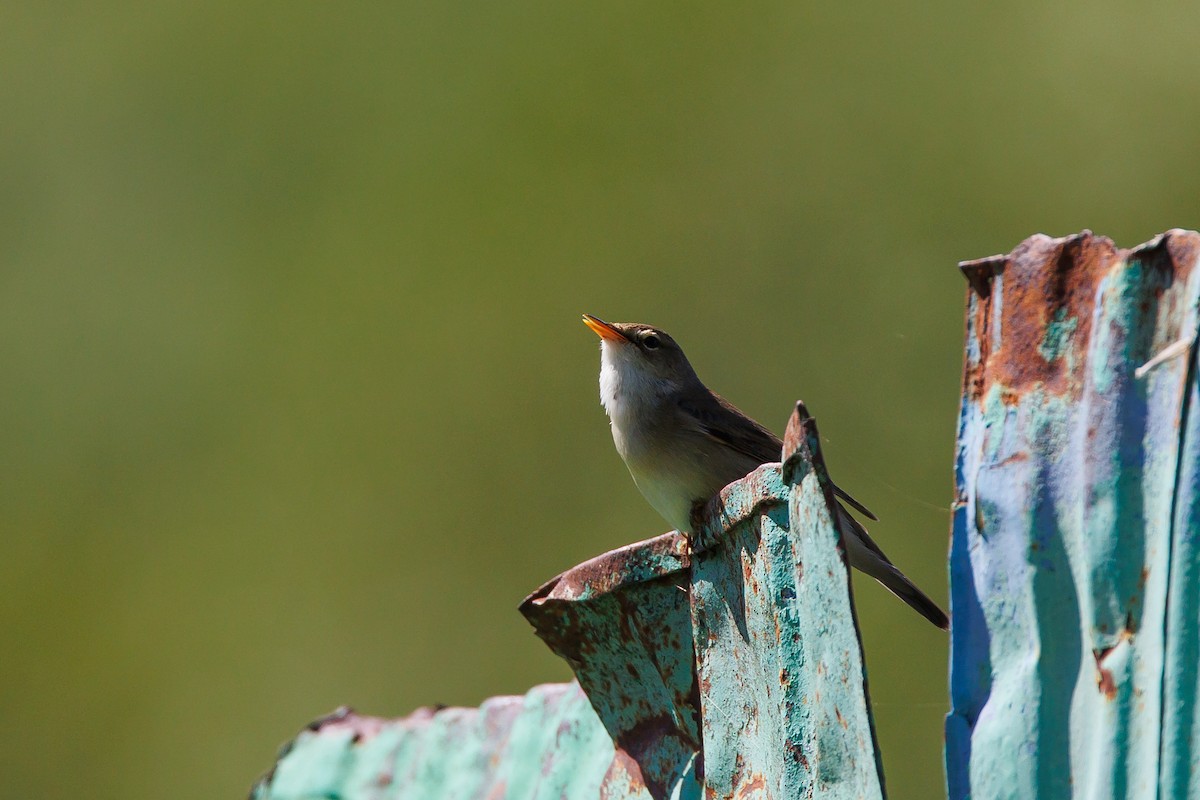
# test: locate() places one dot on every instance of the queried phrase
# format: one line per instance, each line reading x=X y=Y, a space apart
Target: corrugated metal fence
x=720 y=670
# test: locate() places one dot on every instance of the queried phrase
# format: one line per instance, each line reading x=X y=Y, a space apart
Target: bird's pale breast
x=672 y=463
x=675 y=466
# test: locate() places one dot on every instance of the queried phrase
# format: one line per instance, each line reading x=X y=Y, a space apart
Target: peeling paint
x=1056 y=343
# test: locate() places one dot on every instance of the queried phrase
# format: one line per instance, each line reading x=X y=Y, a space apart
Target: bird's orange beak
x=603 y=329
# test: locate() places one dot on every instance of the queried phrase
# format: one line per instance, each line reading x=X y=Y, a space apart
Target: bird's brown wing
x=721 y=420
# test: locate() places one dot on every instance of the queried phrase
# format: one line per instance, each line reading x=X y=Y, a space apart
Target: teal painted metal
x=783 y=687
x=743 y=650
x=546 y=745
x=621 y=621
x=1074 y=563
x=731 y=668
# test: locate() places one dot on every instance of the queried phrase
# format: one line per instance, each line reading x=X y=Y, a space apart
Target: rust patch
x=664 y=557
x=795 y=436
x=1173 y=253
x=1015 y=458
x=1184 y=247
x=645 y=740
x=979 y=273
x=613 y=569
x=1104 y=677
x=622 y=766
x=739 y=768
x=801 y=443
x=1044 y=282
x=755 y=785
x=797 y=753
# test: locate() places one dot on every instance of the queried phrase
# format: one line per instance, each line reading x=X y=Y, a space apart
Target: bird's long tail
x=865 y=555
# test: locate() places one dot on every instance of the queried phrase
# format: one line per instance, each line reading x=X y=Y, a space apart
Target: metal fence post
x=1074 y=571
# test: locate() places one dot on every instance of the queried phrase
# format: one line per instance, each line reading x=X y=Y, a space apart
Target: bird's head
x=638 y=360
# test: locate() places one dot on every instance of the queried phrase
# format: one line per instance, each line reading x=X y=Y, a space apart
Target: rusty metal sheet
x=1073 y=560
x=783 y=688
x=743 y=651
x=728 y=667
x=621 y=620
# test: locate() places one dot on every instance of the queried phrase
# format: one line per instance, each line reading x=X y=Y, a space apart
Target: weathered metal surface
x=728 y=668
x=746 y=665
x=621 y=621
x=546 y=745
x=783 y=688
x=1074 y=563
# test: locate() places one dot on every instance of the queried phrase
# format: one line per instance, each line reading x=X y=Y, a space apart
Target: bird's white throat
x=632 y=396
x=626 y=387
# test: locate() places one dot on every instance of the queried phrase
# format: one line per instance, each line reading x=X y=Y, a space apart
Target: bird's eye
x=651 y=342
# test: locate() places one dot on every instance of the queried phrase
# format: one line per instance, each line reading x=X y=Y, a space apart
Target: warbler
x=682 y=443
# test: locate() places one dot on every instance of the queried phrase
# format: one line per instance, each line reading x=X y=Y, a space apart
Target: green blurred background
x=296 y=403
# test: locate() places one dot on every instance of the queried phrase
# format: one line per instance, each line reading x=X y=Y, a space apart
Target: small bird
x=683 y=443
